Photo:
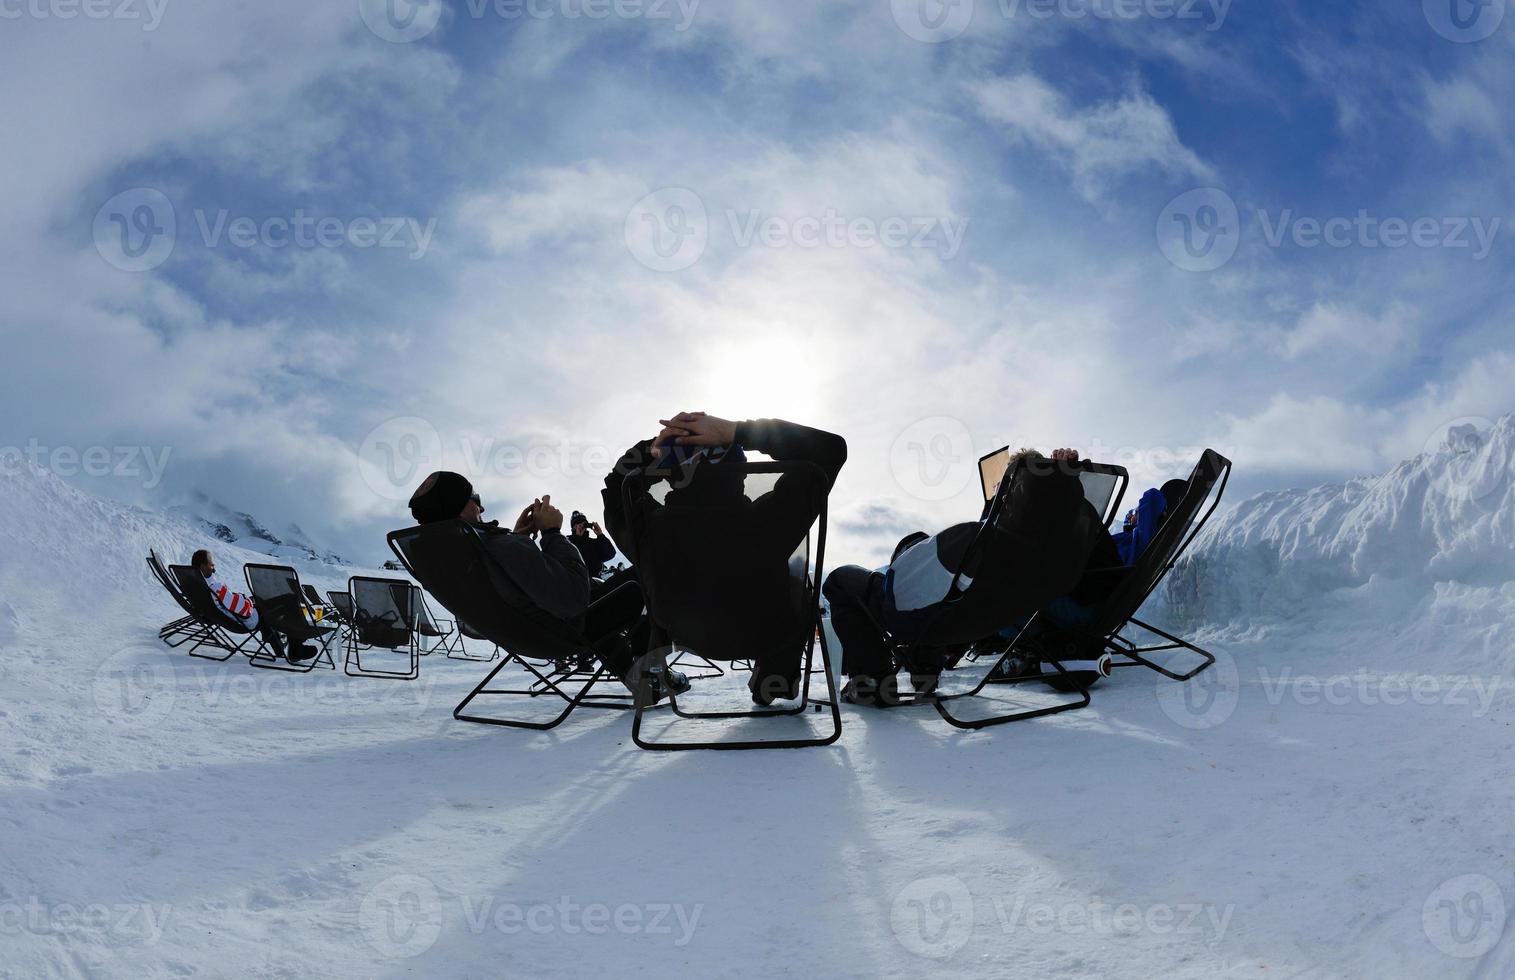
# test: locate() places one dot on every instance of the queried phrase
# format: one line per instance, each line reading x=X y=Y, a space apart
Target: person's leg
x=856 y=597
x=616 y=613
x=776 y=675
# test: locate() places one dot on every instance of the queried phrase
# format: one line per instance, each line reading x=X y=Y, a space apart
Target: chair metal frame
x=184 y=629
x=432 y=627
x=810 y=599
x=305 y=628
x=354 y=644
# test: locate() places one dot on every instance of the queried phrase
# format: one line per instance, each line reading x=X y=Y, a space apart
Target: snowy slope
x=1332 y=800
x=1427 y=550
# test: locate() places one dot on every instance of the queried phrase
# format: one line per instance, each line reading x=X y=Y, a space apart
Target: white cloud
x=1099 y=144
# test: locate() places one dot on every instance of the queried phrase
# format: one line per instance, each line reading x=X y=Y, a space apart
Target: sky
x=296 y=255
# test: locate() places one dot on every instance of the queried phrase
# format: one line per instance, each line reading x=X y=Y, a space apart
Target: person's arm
x=552 y=576
x=790 y=441
x=613 y=498
x=602 y=547
x=235 y=603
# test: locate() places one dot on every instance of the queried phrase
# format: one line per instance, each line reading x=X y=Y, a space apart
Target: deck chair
x=282 y=605
x=798 y=601
x=559 y=670
x=216 y=629
x=341 y=604
x=1104 y=483
x=1104 y=633
x=444 y=631
x=186 y=627
x=385 y=616
x=468 y=632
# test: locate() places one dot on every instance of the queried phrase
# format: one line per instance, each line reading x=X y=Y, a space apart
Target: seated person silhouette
x=714 y=561
x=547 y=583
x=1036 y=550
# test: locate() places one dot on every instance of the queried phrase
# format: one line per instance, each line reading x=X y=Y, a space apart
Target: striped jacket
x=238 y=606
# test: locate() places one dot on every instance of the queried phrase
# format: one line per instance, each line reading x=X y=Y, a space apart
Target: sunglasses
x=475 y=499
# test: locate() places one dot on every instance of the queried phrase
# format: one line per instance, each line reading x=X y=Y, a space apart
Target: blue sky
x=932 y=228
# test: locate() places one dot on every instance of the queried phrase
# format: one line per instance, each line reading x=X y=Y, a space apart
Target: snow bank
x=1429 y=544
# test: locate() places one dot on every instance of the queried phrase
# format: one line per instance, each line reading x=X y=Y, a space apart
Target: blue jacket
x=1149 y=517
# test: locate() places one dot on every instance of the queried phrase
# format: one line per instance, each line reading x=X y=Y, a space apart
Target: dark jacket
x=548 y=583
x=714 y=561
x=595 y=551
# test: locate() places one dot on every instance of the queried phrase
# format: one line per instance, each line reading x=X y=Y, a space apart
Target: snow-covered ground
x=1334 y=799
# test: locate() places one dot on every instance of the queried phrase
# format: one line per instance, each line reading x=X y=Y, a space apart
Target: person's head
x=578 y=524
x=204 y=562
x=714 y=478
x=445 y=496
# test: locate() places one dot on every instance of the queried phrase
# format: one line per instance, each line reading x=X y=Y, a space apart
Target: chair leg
x=545 y=683
x=805 y=704
x=1135 y=655
x=352 y=664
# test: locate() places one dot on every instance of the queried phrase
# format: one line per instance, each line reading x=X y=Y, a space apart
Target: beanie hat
x=444 y=500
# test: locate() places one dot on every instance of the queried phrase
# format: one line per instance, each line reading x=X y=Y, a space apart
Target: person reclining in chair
x=548 y=583
x=240 y=610
x=1042 y=540
x=708 y=549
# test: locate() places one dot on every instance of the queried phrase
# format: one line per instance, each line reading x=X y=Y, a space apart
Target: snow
x=1331 y=800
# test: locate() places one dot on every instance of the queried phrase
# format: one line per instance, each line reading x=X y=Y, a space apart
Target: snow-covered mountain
x=239 y=527
x=1419 y=550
